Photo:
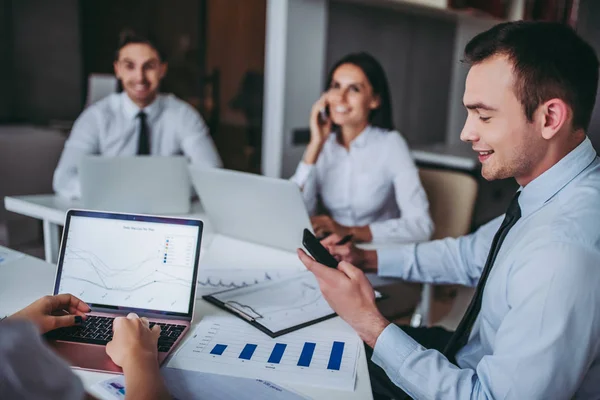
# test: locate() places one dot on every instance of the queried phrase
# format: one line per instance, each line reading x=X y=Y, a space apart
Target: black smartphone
x=323 y=115
x=316 y=249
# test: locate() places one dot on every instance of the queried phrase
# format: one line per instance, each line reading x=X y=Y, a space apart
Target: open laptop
x=252 y=208
x=122 y=263
x=145 y=185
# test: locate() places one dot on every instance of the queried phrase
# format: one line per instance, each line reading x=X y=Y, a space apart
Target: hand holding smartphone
x=316 y=249
x=323 y=116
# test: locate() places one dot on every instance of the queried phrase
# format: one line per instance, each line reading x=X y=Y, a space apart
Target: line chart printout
x=130 y=263
x=311 y=356
x=213 y=280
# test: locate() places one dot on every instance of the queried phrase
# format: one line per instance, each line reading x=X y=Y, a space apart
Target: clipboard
x=278 y=307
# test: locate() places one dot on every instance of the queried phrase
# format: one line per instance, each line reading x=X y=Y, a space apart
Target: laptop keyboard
x=98 y=330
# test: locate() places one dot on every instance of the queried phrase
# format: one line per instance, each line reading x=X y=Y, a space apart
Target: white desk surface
x=52 y=208
x=26 y=279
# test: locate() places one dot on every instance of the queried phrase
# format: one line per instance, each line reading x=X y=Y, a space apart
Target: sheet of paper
x=192 y=385
x=8 y=255
x=213 y=280
x=310 y=356
x=280 y=304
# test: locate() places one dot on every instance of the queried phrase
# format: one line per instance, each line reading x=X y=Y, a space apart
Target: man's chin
x=139 y=97
x=490 y=174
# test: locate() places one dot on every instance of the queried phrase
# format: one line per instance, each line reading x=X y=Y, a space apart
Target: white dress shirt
x=537 y=335
x=374 y=183
x=110 y=127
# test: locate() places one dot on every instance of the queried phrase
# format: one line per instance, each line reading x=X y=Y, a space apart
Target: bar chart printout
x=224 y=345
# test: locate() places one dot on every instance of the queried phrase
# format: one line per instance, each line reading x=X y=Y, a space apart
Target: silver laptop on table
x=122 y=263
x=146 y=185
x=253 y=208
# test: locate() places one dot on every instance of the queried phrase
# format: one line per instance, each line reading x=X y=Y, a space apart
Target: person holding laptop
x=357 y=165
x=532 y=330
x=30 y=370
x=138 y=121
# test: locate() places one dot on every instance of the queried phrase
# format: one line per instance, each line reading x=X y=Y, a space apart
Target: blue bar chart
x=218 y=349
x=308 y=356
x=335 y=359
x=246 y=354
x=308 y=349
x=277 y=353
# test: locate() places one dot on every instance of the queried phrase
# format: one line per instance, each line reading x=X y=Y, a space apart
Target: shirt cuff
x=303 y=173
x=391 y=261
x=378 y=231
x=392 y=348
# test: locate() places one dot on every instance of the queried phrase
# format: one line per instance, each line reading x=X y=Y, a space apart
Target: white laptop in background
x=146 y=185
x=253 y=208
x=121 y=263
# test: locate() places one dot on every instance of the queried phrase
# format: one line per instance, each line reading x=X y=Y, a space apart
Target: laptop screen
x=121 y=261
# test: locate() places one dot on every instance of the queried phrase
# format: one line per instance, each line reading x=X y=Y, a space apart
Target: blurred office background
x=252 y=68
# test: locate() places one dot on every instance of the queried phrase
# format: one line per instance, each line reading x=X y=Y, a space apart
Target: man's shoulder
x=173 y=104
x=571 y=217
x=106 y=106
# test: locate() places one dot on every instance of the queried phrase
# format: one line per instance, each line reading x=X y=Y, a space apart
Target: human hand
x=319 y=128
x=133 y=343
x=363 y=259
x=349 y=293
x=319 y=131
x=53 y=312
x=325 y=224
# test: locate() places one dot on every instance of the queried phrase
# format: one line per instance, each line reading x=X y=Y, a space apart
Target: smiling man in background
x=138 y=121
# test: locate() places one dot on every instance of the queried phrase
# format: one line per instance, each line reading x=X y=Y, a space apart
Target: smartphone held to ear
x=316 y=249
x=323 y=116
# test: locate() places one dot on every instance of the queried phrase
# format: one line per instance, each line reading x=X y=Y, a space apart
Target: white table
x=51 y=210
x=26 y=279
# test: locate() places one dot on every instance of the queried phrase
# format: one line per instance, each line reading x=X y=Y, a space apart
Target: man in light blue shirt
x=138 y=121
x=529 y=95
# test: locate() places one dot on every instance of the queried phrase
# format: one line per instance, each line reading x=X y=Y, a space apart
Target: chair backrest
x=451 y=197
x=100 y=86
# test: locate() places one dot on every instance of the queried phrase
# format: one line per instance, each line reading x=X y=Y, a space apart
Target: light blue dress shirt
x=538 y=333
x=110 y=127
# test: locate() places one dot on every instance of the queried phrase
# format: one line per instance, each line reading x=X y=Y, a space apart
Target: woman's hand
x=324 y=224
x=319 y=130
x=133 y=341
x=53 y=312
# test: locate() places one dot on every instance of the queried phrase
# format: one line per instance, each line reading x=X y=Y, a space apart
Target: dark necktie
x=461 y=335
x=143 y=137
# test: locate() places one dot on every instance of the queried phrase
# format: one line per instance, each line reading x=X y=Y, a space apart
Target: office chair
x=452 y=196
x=100 y=86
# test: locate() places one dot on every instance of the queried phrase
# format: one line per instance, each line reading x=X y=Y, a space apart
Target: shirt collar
x=544 y=187
x=361 y=140
x=131 y=109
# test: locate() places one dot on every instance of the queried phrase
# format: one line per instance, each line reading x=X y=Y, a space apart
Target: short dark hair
x=129 y=36
x=549 y=61
x=381 y=117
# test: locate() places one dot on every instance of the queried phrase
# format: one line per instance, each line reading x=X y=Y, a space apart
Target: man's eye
x=484 y=119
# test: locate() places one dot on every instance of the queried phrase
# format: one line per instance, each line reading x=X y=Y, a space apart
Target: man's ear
x=555 y=113
x=116 y=67
x=163 y=69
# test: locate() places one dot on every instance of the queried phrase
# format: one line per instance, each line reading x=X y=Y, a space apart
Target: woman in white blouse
x=357 y=165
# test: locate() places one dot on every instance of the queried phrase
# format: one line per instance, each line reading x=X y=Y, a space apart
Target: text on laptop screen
x=125 y=263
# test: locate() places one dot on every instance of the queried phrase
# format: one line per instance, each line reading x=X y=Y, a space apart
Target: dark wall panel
x=416 y=53
x=46 y=60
